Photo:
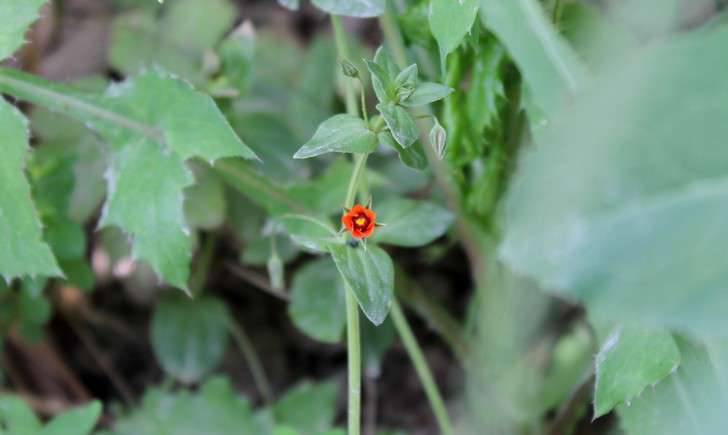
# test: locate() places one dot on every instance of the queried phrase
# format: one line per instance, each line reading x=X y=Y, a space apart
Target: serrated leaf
x=309 y=407
x=352 y=8
x=632 y=231
x=549 y=66
x=189 y=337
x=411 y=223
x=690 y=401
x=341 y=134
x=426 y=93
x=382 y=81
x=629 y=361
x=153 y=123
x=414 y=156
x=318 y=305
x=15 y=18
x=370 y=274
x=400 y=123
x=23 y=252
x=77 y=421
x=216 y=408
x=450 y=21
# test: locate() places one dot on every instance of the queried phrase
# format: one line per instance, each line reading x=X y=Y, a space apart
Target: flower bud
x=349 y=69
x=438 y=139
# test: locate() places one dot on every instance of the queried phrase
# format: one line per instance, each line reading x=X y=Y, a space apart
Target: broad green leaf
x=382 y=58
x=153 y=123
x=143 y=38
x=370 y=274
x=426 y=93
x=23 y=252
x=400 y=123
x=189 y=337
x=352 y=8
x=550 y=68
x=690 y=401
x=382 y=80
x=214 y=409
x=634 y=231
x=258 y=251
x=78 y=421
x=413 y=156
x=308 y=407
x=16 y=416
x=410 y=223
x=310 y=233
x=15 y=18
x=341 y=134
x=630 y=360
x=450 y=21
x=317 y=304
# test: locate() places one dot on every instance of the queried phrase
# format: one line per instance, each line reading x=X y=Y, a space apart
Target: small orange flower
x=360 y=221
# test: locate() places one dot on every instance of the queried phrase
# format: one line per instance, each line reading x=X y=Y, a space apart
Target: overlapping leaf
x=15 y=17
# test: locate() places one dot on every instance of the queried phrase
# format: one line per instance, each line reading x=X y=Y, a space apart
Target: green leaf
x=318 y=305
x=15 y=18
x=307 y=231
x=550 y=67
x=633 y=231
x=144 y=38
x=382 y=81
x=23 y=252
x=205 y=204
x=215 y=409
x=382 y=58
x=426 y=93
x=352 y=8
x=189 y=337
x=375 y=342
x=630 y=360
x=406 y=82
x=410 y=223
x=290 y=4
x=153 y=123
x=690 y=401
x=341 y=134
x=308 y=407
x=413 y=156
x=487 y=86
x=400 y=123
x=450 y=21
x=78 y=421
x=370 y=274
x=16 y=416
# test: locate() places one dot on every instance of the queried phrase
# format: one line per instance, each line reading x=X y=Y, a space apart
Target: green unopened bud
x=438 y=139
x=349 y=69
x=404 y=91
x=275 y=271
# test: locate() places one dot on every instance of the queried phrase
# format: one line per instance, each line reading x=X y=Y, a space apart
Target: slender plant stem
x=253 y=360
x=202 y=266
x=423 y=371
x=353 y=338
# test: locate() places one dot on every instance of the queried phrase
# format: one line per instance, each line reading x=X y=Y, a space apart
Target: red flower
x=360 y=221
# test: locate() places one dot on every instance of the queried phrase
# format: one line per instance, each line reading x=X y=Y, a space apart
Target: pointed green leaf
x=318 y=305
x=410 y=223
x=15 y=18
x=629 y=361
x=341 y=134
x=77 y=421
x=352 y=8
x=450 y=21
x=370 y=274
x=309 y=232
x=189 y=337
x=690 y=401
x=309 y=407
x=382 y=58
x=382 y=81
x=550 y=67
x=426 y=93
x=16 y=416
x=23 y=252
x=413 y=156
x=400 y=123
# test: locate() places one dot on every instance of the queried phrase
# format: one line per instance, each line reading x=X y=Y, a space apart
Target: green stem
x=202 y=266
x=253 y=361
x=353 y=337
x=423 y=371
